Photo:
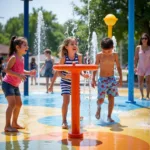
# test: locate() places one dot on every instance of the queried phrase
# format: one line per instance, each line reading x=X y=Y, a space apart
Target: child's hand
x=22 y=77
x=85 y=75
x=135 y=70
x=120 y=82
x=68 y=76
x=33 y=72
x=93 y=83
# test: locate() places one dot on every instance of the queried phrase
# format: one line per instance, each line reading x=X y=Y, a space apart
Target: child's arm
x=136 y=57
x=118 y=68
x=94 y=72
x=53 y=62
x=62 y=61
x=8 y=70
x=57 y=73
x=30 y=73
x=68 y=75
x=42 y=67
x=80 y=62
x=53 y=81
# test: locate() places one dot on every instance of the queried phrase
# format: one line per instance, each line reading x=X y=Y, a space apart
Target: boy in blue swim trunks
x=107 y=83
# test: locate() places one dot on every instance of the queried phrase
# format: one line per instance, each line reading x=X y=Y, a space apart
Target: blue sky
x=62 y=8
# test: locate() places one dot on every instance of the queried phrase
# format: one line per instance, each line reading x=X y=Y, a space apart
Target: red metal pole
x=75 y=106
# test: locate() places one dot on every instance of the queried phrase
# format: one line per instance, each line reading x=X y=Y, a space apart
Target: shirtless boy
x=107 y=83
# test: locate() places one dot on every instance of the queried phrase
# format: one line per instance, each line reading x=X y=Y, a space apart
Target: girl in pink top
x=142 y=63
x=15 y=73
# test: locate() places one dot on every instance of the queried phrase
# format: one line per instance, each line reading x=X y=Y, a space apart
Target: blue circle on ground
x=87 y=108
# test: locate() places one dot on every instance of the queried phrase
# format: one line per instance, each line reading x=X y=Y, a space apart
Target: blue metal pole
x=131 y=51
x=26 y=29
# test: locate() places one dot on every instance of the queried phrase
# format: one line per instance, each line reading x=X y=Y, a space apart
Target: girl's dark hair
x=14 y=42
x=148 y=38
x=32 y=60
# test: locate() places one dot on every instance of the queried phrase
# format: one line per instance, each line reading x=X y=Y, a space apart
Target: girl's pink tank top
x=18 y=67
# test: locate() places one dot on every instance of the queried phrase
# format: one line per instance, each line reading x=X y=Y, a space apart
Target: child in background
x=4 y=66
x=1 y=68
x=68 y=54
x=15 y=73
x=87 y=58
x=48 y=65
x=33 y=66
x=107 y=82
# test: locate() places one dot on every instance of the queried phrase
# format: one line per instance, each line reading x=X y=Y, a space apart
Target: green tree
x=14 y=26
x=79 y=30
x=142 y=17
x=4 y=37
x=1 y=28
x=98 y=9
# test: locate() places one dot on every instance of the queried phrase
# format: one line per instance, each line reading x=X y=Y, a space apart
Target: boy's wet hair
x=48 y=51
x=107 y=43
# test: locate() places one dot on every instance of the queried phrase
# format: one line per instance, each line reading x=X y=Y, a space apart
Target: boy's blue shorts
x=107 y=85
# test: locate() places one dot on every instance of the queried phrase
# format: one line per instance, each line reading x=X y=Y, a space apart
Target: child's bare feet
x=16 y=126
x=64 y=125
x=10 y=129
x=141 y=98
x=97 y=115
x=109 y=119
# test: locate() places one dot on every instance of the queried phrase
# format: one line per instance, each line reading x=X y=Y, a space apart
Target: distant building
x=4 y=50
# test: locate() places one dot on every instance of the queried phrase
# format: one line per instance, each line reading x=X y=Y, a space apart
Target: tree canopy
x=54 y=31
x=91 y=15
x=98 y=9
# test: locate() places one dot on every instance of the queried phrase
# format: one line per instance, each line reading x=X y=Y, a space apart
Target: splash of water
x=115 y=50
x=40 y=40
x=40 y=35
x=115 y=43
x=75 y=26
x=92 y=57
x=94 y=48
x=89 y=31
x=66 y=32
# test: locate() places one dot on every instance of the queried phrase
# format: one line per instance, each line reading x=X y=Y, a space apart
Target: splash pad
x=75 y=70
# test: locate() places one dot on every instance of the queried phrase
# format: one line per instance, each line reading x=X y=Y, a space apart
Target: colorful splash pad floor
x=41 y=116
